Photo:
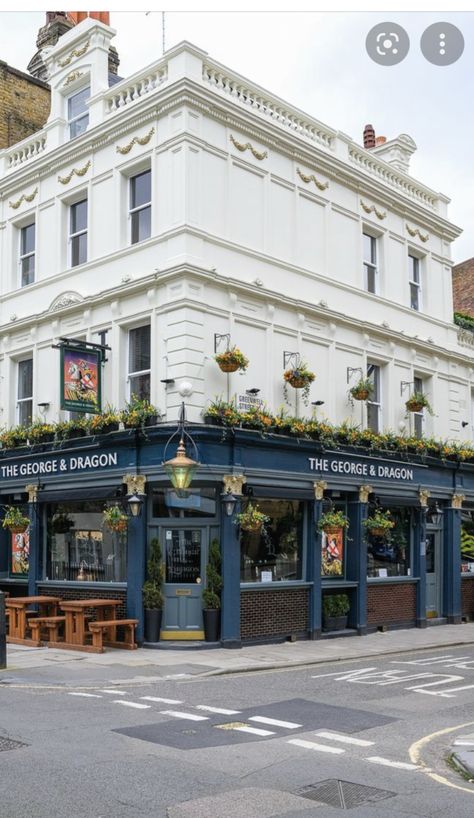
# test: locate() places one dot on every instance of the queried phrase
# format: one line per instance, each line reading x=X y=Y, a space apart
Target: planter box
x=334 y=623
x=212 y=624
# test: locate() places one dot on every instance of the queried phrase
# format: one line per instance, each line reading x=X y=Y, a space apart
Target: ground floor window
x=275 y=552
x=389 y=556
x=80 y=547
x=467 y=541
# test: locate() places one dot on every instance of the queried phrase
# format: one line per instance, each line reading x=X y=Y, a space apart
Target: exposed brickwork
x=24 y=105
x=391 y=603
x=463 y=287
x=274 y=613
x=87 y=593
x=467 y=597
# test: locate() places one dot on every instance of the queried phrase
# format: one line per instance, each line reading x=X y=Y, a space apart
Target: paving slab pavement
x=176 y=662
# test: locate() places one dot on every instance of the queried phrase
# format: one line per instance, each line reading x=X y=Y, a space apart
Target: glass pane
x=390 y=556
x=79 y=547
x=76 y=103
x=414 y=296
x=373 y=372
x=79 y=216
x=141 y=225
x=414 y=268
x=369 y=245
x=370 y=275
x=418 y=424
x=276 y=551
x=192 y=503
x=79 y=249
x=183 y=555
x=28 y=239
x=25 y=379
x=139 y=349
x=140 y=189
x=78 y=126
x=25 y=412
x=27 y=270
x=373 y=417
x=418 y=384
x=140 y=386
x=430 y=554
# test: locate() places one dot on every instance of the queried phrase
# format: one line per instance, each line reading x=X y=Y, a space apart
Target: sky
x=317 y=61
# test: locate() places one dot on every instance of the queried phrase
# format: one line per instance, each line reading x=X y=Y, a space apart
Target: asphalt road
x=286 y=743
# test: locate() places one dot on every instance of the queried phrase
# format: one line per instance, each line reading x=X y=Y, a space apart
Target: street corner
x=447 y=756
x=461 y=755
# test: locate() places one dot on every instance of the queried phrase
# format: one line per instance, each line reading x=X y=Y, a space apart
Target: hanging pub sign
x=81 y=384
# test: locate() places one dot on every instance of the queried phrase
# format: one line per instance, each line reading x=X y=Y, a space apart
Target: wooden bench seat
x=50 y=623
x=98 y=629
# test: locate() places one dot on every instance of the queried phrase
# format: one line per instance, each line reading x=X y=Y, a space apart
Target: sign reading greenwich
x=360 y=469
x=60 y=465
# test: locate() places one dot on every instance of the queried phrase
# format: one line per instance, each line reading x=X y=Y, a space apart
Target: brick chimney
x=57 y=24
x=369 y=137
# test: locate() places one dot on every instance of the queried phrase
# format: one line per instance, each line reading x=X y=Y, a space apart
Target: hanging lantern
x=180 y=469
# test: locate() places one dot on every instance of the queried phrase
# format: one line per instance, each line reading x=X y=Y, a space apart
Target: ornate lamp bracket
x=424 y=495
x=319 y=487
x=364 y=492
x=135 y=483
x=32 y=490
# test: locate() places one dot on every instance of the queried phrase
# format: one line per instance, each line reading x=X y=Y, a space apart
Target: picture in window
x=20 y=553
x=332 y=552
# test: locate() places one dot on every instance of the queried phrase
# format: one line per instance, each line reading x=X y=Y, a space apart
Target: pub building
x=274 y=581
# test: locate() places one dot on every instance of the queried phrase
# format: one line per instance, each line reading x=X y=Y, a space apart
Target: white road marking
x=463 y=743
x=86 y=695
x=220 y=710
x=275 y=722
x=158 y=699
x=136 y=705
x=343 y=674
x=115 y=692
x=385 y=762
x=254 y=730
x=344 y=739
x=311 y=745
x=431 y=660
x=177 y=715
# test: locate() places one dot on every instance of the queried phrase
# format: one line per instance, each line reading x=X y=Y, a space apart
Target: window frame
x=131 y=375
x=22 y=256
x=418 y=417
x=82 y=115
x=413 y=283
x=21 y=401
x=377 y=369
x=78 y=233
x=373 y=263
x=132 y=211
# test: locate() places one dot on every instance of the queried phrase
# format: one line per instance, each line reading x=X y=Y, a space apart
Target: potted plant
x=115 y=519
x=104 y=423
x=211 y=596
x=11 y=438
x=252 y=519
x=14 y=520
x=417 y=402
x=332 y=521
x=138 y=413
x=299 y=377
x=363 y=390
x=70 y=429
x=152 y=593
x=231 y=360
x=221 y=413
x=335 y=610
x=379 y=524
x=41 y=432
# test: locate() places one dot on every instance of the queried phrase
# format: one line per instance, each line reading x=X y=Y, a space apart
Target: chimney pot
x=380 y=140
x=369 y=137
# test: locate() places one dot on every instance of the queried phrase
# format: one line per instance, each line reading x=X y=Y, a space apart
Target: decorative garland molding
x=72 y=78
x=312 y=178
x=247 y=146
x=74 y=172
x=136 y=140
x=76 y=52
x=25 y=197
x=381 y=214
x=413 y=231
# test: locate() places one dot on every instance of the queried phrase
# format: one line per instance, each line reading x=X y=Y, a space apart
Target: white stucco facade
x=257 y=220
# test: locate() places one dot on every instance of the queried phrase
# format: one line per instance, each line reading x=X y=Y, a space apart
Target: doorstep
x=182 y=644
x=336 y=634
x=436 y=620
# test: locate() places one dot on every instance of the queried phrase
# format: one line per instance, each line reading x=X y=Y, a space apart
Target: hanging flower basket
x=363 y=390
x=232 y=360
x=115 y=519
x=252 y=519
x=417 y=402
x=300 y=377
x=15 y=521
x=332 y=522
x=379 y=524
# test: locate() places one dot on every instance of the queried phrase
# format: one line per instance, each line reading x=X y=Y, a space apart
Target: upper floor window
x=139 y=362
x=78 y=112
x=374 y=405
x=370 y=262
x=140 y=206
x=27 y=254
x=418 y=417
x=78 y=232
x=25 y=392
x=415 y=282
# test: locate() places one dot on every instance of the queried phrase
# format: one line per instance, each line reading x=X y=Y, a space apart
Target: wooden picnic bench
x=20 y=618
x=108 y=628
x=50 y=623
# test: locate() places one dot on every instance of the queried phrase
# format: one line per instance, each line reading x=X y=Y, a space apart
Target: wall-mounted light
x=135 y=505
x=317 y=403
x=229 y=501
x=435 y=515
x=252 y=391
x=464 y=423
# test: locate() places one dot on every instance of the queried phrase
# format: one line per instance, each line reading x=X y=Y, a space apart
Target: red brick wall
x=467 y=597
x=387 y=604
x=463 y=287
x=274 y=613
x=87 y=593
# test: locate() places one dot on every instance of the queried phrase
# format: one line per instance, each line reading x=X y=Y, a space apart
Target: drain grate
x=10 y=744
x=343 y=794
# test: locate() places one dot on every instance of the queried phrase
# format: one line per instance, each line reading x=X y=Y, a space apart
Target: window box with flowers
x=40 y=432
x=14 y=520
x=299 y=377
x=105 y=423
x=139 y=413
x=13 y=438
x=232 y=360
x=221 y=413
x=252 y=519
x=71 y=429
x=115 y=519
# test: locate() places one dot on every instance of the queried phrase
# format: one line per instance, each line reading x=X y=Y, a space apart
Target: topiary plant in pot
x=335 y=610
x=211 y=596
x=152 y=593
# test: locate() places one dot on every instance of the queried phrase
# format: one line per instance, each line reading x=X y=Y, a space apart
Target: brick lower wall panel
x=88 y=593
x=467 y=597
x=274 y=613
x=391 y=603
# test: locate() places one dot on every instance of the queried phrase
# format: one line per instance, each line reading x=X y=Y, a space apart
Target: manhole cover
x=10 y=744
x=343 y=794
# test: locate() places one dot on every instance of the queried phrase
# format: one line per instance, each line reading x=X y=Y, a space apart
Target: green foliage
x=152 y=591
x=363 y=389
x=14 y=519
x=211 y=596
x=418 y=401
x=234 y=357
x=462 y=319
x=333 y=519
x=336 y=604
x=251 y=519
x=115 y=519
x=137 y=412
x=467 y=544
x=380 y=519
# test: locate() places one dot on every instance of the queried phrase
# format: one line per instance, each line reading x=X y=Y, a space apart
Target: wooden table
x=17 y=605
x=75 y=625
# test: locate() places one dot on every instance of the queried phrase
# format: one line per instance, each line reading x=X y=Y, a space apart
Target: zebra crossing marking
x=177 y=714
x=136 y=705
x=385 y=762
x=290 y=725
x=312 y=745
x=159 y=699
x=359 y=742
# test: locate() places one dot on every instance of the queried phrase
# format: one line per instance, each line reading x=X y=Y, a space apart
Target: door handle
x=198 y=580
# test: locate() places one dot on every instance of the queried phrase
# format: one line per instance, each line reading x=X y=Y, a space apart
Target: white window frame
x=376 y=403
x=412 y=282
x=29 y=398
x=132 y=210
x=418 y=417
x=374 y=243
x=72 y=236
x=81 y=115
x=139 y=372
x=22 y=256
